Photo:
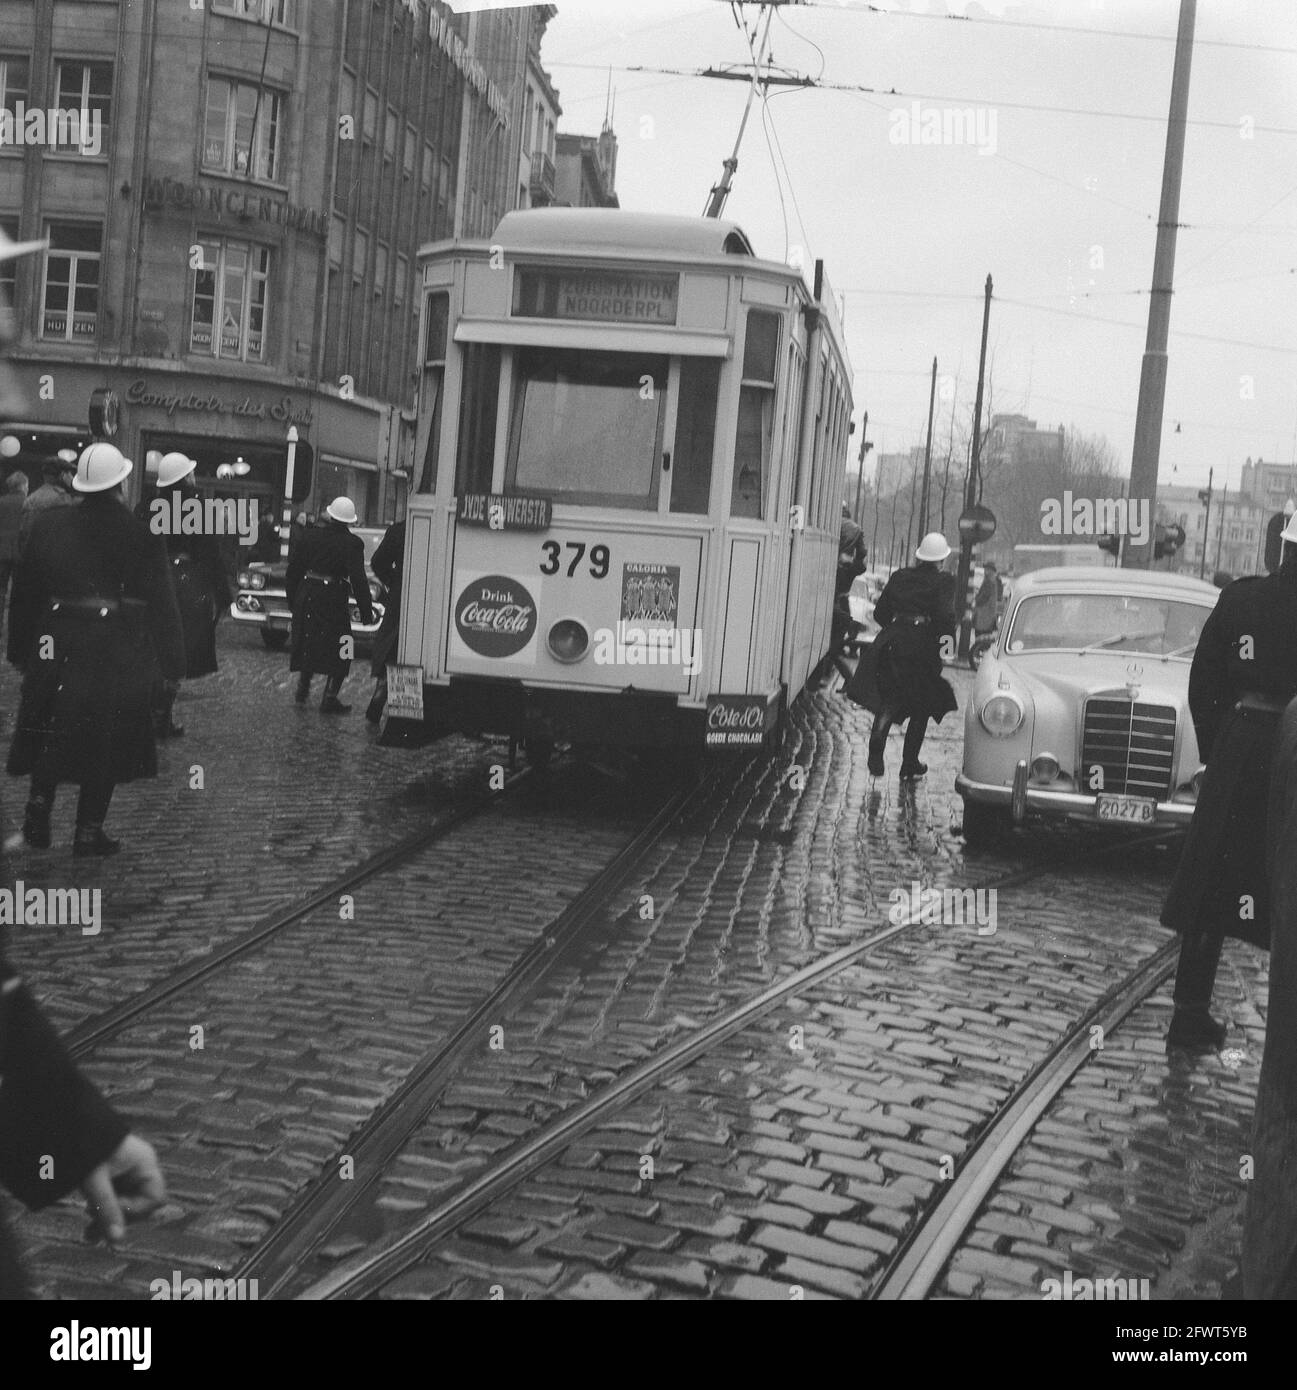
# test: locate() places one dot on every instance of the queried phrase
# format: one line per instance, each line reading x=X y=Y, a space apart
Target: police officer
x=1244 y=672
x=899 y=675
x=386 y=564
x=202 y=589
x=94 y=624
x=321 y=564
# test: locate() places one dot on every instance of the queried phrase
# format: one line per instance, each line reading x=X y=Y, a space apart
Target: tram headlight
x=568 y=641
x=1044 y=768
x=1002 y=714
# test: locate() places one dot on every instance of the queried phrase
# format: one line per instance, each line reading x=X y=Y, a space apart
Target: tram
x=625 y=506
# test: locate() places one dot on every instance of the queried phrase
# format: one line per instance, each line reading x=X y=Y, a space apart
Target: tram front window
x=586 y=426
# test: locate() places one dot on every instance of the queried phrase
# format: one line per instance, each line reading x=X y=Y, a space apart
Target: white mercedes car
x=1080 y=710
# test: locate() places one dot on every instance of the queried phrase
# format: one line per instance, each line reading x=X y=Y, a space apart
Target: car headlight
x=253 y=579
x=1002 y=714
x=375 y=589
x=1044 y=768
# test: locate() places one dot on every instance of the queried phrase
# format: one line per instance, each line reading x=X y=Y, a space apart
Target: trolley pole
x=927 y=456
x=721 y=191
x=973 y=487
x=1152 y=376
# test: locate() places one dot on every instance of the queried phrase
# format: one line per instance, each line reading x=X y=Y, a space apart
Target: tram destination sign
x=497 y=512
x=597 y=296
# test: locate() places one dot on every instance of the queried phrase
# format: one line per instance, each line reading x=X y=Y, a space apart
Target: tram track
x=83 y=1039
x=367 y=1273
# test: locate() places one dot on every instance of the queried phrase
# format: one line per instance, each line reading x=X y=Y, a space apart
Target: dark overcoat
x=1270 y=1223
x=900 y=671
x=1248 y=648
x=202 y=589
x=386 y=564
x=95 y=582
x=323 y=563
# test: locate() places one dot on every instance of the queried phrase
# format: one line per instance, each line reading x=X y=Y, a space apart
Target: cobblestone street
x=793 y=1156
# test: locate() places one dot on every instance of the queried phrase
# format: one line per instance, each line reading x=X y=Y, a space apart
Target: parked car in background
x=263 y=600
x=1080 y=708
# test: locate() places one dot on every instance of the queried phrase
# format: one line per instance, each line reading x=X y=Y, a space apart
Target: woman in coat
x=198 y=574
x=899 y=676
x=1244 y=672
x=325 y=560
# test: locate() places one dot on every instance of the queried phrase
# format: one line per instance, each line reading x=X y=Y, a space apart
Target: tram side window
x=434 y=381
x=477 y=408
x=691 y=485
x=586 y=427
x=756 y=415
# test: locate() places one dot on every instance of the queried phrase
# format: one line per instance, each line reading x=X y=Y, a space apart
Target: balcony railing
x=542 y=176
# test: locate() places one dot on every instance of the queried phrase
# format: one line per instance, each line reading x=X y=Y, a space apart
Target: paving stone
x=686 y=1274
x=814 y=1248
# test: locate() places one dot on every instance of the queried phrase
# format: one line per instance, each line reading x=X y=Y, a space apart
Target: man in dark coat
x=1270 y=1224
x=899 y=676
x=13 y=496
x=386 y=564
x=321 y=564
x=1244 y=672
x=55 y=491
x=198 y=575
x=94 y=623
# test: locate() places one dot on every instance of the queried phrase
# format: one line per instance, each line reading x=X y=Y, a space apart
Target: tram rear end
x=599 y=548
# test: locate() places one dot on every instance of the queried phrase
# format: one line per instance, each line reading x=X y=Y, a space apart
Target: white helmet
x=933 y=547
x=343 y=509
x=173 y=467
x=100 y=467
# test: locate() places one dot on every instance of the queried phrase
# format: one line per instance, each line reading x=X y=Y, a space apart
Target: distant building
x=894 y=473
x=1232 y=539
x=587 y=170
x=1016 y=440
x=538 y=171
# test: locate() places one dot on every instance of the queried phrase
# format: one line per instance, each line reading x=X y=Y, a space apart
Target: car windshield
x=1107 y=622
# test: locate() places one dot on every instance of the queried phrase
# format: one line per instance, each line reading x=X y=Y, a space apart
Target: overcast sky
x=1072 y=101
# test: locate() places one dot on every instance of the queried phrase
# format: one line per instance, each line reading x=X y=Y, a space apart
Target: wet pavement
x=789 y=1160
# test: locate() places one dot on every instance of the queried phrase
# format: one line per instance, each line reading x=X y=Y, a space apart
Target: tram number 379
x=600 y=558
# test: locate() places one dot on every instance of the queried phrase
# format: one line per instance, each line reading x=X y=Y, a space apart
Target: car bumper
x=281 y=619
x=1022 y=800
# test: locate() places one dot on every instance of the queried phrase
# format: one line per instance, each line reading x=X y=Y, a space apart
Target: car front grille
x=1133 y=743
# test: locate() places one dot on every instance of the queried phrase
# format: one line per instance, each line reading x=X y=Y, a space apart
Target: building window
x=756 y=415
x=282 y=13
x=428 y=156
x=380 y=270
x=369 y=126
x=408 y=151
x=9 y=268
x=398 y=285
x=14 y=80
x=70 y=300
x=359 y=254
x=235 y=121
x=230 y=289
x=389 y=136
x=86 y=87
x=337 y=232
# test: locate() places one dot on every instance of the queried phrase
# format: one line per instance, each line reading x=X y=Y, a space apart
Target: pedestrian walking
x=1270 y=1220
x=323 y=562
x=12 y=498
x=198 y=577
x=386 y=564
x=94 y=623
x=55 y=491
x=899 y=675
x=986 y=604
x=1244 y=673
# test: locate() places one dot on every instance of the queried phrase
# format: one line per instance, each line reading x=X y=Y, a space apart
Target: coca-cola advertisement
x=495 y=616
x=736 y=721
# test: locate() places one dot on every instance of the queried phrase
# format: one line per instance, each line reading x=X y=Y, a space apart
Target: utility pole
x=865 y=447
x=1152 y=376
x=721 y=191
x=927 y=456
x=971 y=489
x=1206 y=526
x=1224 y=512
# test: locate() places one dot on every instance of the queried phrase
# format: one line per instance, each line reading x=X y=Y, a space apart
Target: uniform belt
x=1261 y=704
x=325 y=578
x=913 y=619
x=93 y=607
